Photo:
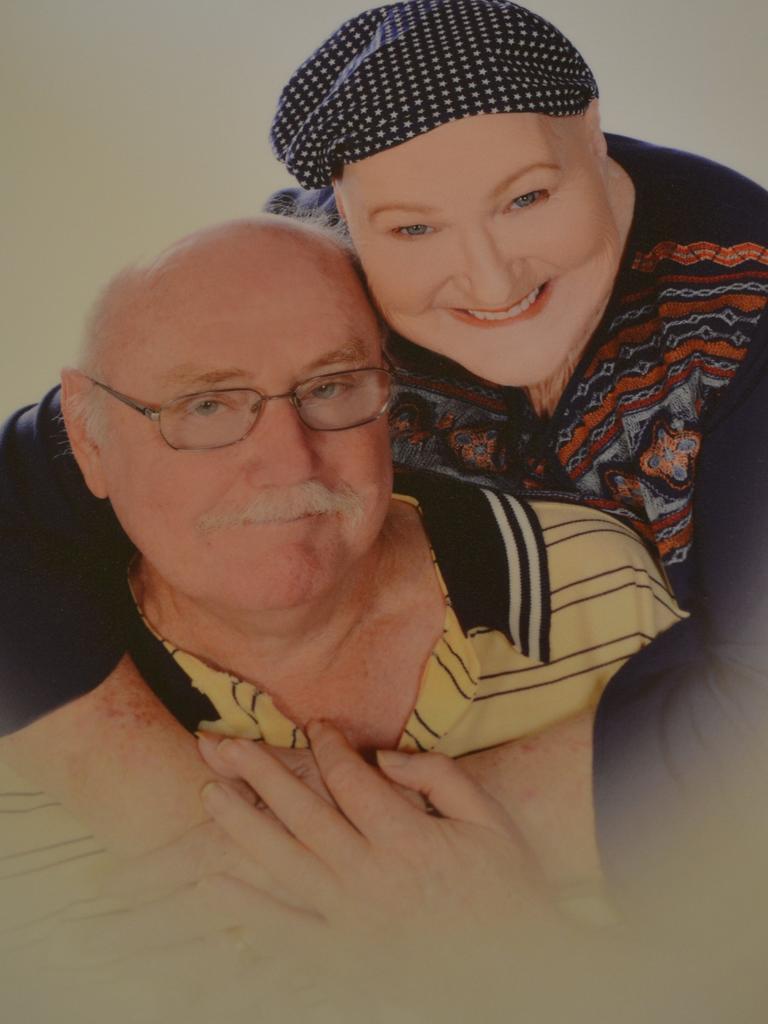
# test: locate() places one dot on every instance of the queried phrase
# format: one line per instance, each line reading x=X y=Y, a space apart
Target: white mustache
x=282 y=504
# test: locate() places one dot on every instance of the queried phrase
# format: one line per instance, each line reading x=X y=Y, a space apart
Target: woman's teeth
x=507 y=314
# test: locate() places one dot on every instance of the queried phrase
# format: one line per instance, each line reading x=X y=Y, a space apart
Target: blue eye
x=207 y=407
x=413 y=230
x=329 y=389
x=529 y=199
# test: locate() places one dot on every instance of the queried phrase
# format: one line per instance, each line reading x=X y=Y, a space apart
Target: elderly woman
x=573 y=316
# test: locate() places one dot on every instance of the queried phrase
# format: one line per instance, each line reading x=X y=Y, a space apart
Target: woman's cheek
x=595 y=225
x=400 y=283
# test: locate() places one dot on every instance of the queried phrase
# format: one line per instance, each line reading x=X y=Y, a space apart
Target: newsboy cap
x=395 y=72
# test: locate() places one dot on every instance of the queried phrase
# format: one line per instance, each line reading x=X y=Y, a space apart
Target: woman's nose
x=488 y=273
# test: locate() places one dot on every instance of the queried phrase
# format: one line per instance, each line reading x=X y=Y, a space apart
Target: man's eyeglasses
x=215 y=419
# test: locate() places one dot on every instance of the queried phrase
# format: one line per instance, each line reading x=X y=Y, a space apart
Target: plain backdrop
x=127 y=123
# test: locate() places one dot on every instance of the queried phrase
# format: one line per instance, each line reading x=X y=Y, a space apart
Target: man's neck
x=284 y=650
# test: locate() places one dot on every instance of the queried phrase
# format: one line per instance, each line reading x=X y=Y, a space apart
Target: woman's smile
x=528 y=307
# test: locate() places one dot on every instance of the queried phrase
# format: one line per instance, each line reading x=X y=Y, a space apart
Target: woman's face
x=494 y=240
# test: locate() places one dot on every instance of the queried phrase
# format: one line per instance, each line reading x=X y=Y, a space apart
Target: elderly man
x=230 y=407
x=517 y=221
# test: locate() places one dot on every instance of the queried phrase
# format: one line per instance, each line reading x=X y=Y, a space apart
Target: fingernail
x=226 y=748
x=215 y=795
x=208 y=741
x=393 y=759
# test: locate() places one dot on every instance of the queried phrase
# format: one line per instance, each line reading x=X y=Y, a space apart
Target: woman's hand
x=373 y=865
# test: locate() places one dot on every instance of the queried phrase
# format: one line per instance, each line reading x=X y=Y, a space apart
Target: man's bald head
x=254 y=252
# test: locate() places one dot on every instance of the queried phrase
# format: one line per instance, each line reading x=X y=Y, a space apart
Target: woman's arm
x=681 y=732
x=63 y=595
x=118 y=760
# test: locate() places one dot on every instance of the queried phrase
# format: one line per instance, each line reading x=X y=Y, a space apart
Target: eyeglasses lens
x=344 y=400
x=214 y=419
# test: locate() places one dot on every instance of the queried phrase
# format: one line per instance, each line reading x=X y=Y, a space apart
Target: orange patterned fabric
x=687 y=313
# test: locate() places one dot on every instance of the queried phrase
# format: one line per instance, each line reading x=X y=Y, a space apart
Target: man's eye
x=204 y=407
x=529 y=199
x=413 y=230
x=207 y=408
x=327 y=389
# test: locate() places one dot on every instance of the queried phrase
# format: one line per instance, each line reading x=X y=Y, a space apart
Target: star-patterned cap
x=395 y=72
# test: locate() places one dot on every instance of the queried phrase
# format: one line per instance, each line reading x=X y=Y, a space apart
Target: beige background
x=127 y=124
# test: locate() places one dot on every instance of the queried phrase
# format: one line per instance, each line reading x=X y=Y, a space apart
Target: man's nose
x=487 y=272
x=280 y=446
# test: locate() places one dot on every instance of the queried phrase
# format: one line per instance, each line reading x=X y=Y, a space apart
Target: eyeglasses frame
x=153 y=412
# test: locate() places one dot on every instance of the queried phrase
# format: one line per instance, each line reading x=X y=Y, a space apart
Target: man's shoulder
x=491 y=551
x=503 y=556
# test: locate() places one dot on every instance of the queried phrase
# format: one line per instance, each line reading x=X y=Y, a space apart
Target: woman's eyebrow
x=509 y=181
x=427 y=211
x=415 y=208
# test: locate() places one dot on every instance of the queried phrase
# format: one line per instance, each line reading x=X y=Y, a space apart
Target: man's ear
x=76 y=394
x=597 y=141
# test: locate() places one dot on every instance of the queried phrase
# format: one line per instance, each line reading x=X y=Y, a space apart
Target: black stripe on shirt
x=458 y=658
x=523 y=639
x=560 y=679
x=567 y=522
x=44 y=849
x=51 y=865
x=246 y=711
x=28 y=810
x=614 y=590
x=542 y=582
x=466 y=538
x=426 y=726
x=567 y=657
x=626 y=534
x=445 y=668
x=610 y=572
x=416 y=740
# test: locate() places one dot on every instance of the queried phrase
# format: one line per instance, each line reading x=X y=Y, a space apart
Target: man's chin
x=292 y=558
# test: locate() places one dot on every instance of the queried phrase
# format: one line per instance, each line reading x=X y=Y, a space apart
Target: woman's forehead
x=487 y=154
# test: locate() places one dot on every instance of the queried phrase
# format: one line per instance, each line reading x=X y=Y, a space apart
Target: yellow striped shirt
x=606 y=600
